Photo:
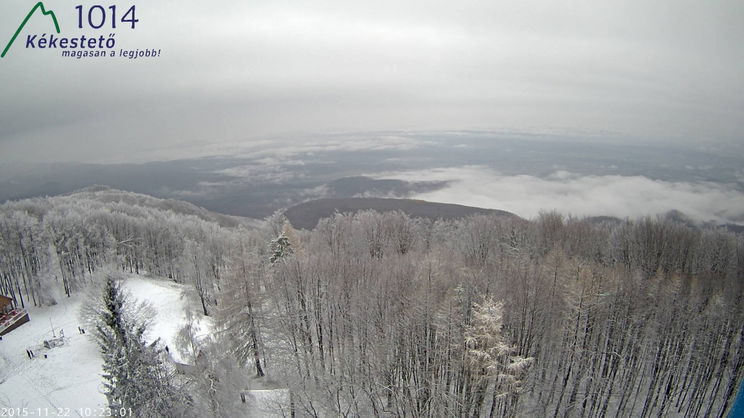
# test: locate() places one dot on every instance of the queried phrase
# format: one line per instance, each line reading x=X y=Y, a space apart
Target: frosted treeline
x=383 y=315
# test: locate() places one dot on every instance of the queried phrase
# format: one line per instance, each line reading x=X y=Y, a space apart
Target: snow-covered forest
x=384 y=315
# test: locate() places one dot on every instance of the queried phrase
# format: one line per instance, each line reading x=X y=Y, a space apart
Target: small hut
x=10 y=316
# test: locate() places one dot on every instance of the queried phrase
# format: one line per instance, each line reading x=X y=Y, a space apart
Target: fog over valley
x=582 y=175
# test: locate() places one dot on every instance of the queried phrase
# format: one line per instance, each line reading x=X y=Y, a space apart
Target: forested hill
x=384 y=314
x=306 y=215
x=105 y=194
x=67 y=239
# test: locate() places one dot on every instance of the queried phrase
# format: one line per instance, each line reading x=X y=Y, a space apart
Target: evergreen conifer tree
x=135 y=378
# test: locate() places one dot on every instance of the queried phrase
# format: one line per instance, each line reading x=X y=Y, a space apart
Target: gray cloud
x=239 y=72
x=620 y=196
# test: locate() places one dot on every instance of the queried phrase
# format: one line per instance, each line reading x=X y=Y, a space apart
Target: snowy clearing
x=173 y=310
x=70 y=376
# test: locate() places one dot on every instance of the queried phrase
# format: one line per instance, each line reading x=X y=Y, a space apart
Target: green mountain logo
x=38 y=6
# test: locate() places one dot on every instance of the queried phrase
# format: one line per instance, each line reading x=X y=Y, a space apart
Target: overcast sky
x=235 y=72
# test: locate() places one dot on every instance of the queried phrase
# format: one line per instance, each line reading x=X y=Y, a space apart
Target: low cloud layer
x=568 y=193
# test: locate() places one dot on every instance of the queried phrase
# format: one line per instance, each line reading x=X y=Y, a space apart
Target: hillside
x=392 y=282
x=105 y=194
x=70 y=375
x=306 y=215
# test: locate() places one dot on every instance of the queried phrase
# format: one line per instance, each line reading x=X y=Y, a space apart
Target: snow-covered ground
x=267 y=402
x=173 y=310
x=70 y=376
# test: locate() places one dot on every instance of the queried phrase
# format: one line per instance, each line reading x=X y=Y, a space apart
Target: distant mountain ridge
x=306 y=215
x=106 y=194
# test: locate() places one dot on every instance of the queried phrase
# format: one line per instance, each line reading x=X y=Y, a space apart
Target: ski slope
x=70 y=376
x=174 y=305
